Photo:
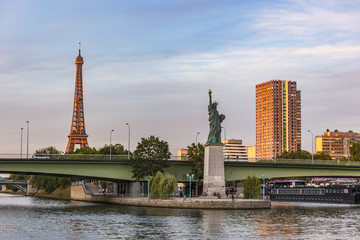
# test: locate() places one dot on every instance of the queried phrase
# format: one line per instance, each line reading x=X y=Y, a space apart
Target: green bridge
x=116 y=170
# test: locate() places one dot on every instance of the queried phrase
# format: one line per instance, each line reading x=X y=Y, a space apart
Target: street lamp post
x=110 y=142
x=190 y=177
x=21 y=142
x=27 y=139
x=128 y=141
x=312 y=146
x=224 y=132
x=196 y=137
x=148 y=178
x=263 y=178
x=224 y=157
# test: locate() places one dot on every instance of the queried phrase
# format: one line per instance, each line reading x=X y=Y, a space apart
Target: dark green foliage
x=322 y=156
x=19 y=177
x=355 y=152
x=85 y=150
x=155 y=188
x=299 y=154
x=167 y=186
x=162 y=186
x=49 y=184
x=48 y=150
x=302 y=154
x=116 y=149
x=252 y=187
x=196 y=158
x=151 y=155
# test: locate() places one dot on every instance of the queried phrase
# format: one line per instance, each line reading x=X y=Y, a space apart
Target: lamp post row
x=128 y=141
x=27 y=140
x=312 y=146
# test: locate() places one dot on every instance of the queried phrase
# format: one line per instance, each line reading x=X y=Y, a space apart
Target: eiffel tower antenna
x=77 y=132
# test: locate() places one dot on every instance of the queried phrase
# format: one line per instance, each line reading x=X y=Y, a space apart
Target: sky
x=151 y=63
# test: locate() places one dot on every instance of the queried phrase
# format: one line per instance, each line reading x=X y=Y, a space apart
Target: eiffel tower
x=77 y=132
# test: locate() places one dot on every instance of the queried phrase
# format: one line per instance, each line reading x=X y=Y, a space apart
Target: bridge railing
x=310 y=162
x=178 y=158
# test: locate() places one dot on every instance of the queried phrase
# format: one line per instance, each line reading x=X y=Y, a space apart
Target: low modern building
x=182 y=154
x=234 y=150
x=251 y=153
x=336 y=144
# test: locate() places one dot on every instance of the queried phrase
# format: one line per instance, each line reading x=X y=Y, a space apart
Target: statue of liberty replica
x=215 y=121
x=214 y=174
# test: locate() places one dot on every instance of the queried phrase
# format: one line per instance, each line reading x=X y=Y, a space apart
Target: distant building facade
x=336 y=144
x=251 y=153
x=182 y=154
x=234 y=150
x=278 y=118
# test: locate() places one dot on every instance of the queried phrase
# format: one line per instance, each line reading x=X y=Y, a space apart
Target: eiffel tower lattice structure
x=77 y=132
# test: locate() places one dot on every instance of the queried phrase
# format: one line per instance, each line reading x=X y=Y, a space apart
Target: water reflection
x=33 y=218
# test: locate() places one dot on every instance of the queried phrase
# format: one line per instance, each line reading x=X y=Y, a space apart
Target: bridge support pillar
x=214 y=174
x=30 y=190
x=116 y=189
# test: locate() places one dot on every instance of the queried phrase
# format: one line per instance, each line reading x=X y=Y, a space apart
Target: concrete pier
x=214 y=174
x=79 y=193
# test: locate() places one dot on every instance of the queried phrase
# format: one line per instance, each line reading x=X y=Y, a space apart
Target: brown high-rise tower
x=278 y=118
x=77 y=132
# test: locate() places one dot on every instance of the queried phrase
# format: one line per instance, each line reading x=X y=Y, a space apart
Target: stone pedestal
x=214 y=174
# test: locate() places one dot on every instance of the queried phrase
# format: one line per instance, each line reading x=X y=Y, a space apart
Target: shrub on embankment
x=252 y=187
x=162 y=186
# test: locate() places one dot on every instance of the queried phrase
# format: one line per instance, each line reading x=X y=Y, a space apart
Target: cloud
x=310 y=21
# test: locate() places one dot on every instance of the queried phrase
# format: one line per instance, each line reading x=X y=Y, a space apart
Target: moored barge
x=298 y=191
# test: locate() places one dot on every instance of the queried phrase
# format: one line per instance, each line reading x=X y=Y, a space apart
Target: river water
x=34 y=218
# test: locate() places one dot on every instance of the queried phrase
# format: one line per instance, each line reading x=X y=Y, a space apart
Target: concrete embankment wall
x=78 y=193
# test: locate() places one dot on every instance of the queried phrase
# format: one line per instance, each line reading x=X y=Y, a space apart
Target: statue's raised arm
x=210 y=97
x=214 y=121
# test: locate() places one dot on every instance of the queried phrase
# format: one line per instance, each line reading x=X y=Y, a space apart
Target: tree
x=155 y=188
x=116 y=149
x=48 y=150
x=355 y=152
x=162 y=186
x=151 y=155
x=85 y=150
x=196 y=158
x=322 y=156
x=302 y=154
x=49 y=183
x=299 y=154
x=252 y=187
x=167 y=186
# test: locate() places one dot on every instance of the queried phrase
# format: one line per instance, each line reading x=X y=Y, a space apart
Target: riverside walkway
x=78 y=193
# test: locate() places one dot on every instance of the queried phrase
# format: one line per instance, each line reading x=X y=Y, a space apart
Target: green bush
x=162 y=186
x=252 y=187
x=155 y=188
